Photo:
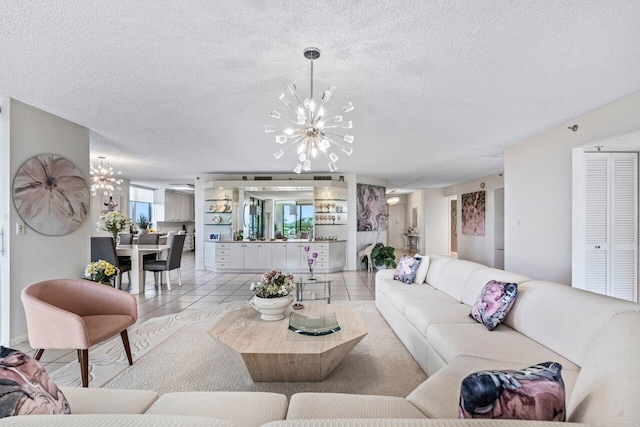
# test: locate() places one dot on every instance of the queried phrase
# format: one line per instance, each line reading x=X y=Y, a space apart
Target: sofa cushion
x=407 y=269
x=438 y=396
x=241 y=408
x=423 y=315
x=421 y=274
x=481 y=276
x=453 y=340
x=26 y=388
x=119 y=420
x=85 y=400
x=399 y=298
x=535 y=393
x=562 y=318
x=436 y=263
x=414 y=423
x=494 y=303
x=337 y=405
x=454 y=276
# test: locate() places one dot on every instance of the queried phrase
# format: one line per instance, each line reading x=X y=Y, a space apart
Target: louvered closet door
x=624 y=226
x=611 y=224
x=597 y=266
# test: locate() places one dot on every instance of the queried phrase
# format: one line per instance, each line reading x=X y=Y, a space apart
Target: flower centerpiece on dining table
x=273 y=294
x=101 y=271
x=311 y=261
x=114 y=222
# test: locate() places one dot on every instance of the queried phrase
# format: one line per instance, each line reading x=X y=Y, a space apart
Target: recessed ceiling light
x=181 y=186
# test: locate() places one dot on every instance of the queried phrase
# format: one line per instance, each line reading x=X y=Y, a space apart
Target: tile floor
x=203 y=289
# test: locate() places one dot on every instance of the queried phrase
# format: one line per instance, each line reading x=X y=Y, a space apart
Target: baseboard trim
x=18 y=339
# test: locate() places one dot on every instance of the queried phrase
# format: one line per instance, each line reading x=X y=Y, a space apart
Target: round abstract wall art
x=51 y=195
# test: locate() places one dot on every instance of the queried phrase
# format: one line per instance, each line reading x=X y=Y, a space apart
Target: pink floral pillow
x=26 y=388
x=406 y=269
x=535 y=393
x=494 y=303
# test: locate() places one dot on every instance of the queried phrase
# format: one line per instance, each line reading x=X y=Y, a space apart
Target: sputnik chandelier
x=103 y=180
x=313 y=130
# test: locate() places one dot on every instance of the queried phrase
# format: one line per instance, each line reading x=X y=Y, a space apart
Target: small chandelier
x=313 y=130
x=103 y=179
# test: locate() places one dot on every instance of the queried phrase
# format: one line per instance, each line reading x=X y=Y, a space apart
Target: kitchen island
x=259 y=256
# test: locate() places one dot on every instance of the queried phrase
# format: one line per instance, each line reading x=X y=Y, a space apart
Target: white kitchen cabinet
x=278 y=255
x=264 y=252
x=236 y=255
x=258 y=257
x=249 y=256
x=170 y=206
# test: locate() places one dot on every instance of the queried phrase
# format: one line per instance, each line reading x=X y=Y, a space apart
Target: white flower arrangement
x=114 y=222
x=274 y=284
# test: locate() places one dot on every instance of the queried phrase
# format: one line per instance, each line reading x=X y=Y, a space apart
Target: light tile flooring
x=203 y=289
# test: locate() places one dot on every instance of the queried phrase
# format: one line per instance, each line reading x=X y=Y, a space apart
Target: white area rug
x=175 y=353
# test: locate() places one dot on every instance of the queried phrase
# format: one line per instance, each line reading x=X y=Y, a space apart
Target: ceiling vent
x=322 y=178
x=263 y=178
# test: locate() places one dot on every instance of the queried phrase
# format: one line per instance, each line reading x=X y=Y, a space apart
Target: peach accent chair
x=70 y=313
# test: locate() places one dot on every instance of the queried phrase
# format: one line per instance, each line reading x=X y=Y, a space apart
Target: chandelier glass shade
x=103 y=180
x=312 y=130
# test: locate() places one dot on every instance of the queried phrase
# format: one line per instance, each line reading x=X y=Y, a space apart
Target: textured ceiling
x=175 y=89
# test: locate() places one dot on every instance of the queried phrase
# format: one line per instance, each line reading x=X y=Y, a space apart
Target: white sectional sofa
x=595 y=338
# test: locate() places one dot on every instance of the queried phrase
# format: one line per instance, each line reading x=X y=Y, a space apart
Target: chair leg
x=179 y=277
x=129 y=277
x=39 y=353
x=169 y=279
x=155 y=278
x=83 y=357
x=127 y=348
x=119 y=281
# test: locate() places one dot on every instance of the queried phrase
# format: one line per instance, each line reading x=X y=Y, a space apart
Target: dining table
x=136 y=252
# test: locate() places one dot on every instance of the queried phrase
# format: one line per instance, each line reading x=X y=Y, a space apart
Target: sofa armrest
x=386 y=274
x=52 y=327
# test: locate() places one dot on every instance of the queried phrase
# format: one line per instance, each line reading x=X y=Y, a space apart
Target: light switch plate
x=19 y=228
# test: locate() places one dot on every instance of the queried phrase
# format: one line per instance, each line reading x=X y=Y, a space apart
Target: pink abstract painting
x=372 y=214
x=51 y=195
x=473 y=205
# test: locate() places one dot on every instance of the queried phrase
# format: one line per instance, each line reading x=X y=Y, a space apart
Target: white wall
x=477 y=248
x=538 y=190
x=436 y=222
x=34 y=257
x=5 y=208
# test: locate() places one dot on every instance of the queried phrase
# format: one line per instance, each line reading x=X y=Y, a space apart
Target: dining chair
x=73 y=313
x=171 y=263
x=102 y=248
x=126 y=239
x=148 y=239
x=169 y=237
x=406 y=241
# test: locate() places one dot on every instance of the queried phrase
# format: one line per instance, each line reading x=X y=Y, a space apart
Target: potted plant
x=273 y=294
x=102 y=272
x=383 y=256
x=143 y=223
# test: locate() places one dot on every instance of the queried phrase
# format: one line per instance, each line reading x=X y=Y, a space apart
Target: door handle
x=597 y=246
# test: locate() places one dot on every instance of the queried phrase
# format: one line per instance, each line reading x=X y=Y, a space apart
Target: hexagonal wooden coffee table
x=269 y=351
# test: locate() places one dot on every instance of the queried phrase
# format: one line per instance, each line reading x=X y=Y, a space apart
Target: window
x=292 y=218
x=141 y=204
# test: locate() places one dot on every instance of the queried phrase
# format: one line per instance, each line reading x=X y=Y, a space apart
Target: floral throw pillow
x=535 y=393
x=494 y=303
x=26 y=388
x=406 y=269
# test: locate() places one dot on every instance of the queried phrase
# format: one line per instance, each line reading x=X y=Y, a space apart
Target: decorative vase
x=271 y=308
x=310 y=276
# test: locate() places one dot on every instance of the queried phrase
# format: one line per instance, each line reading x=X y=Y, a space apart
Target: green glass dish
x=313 y=325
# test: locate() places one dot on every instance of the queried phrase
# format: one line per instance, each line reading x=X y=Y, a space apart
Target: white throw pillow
x=423 y=268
